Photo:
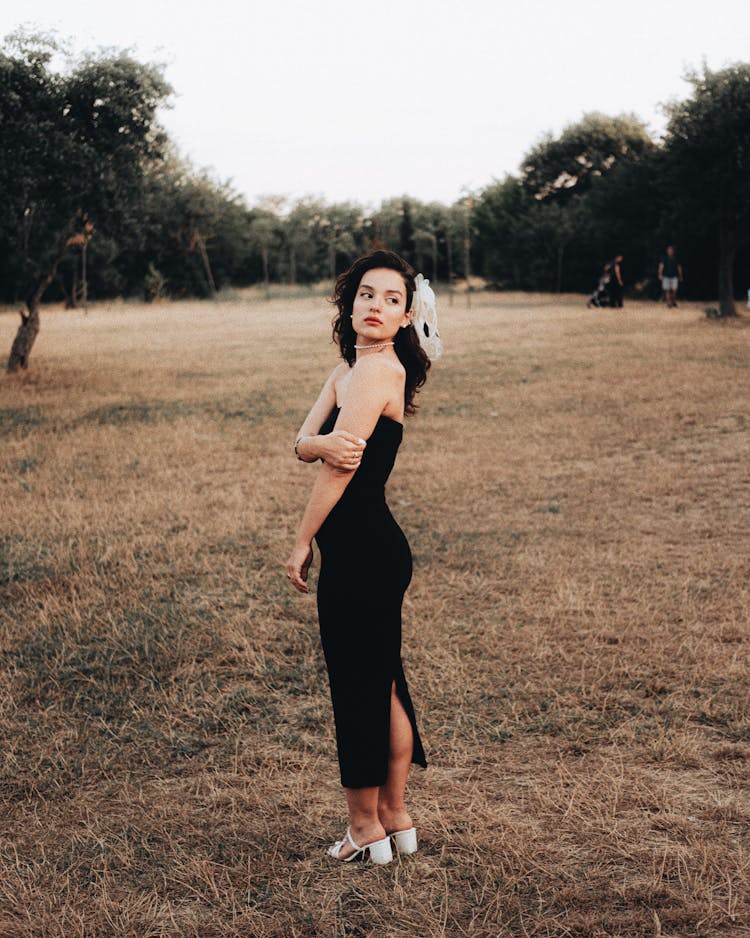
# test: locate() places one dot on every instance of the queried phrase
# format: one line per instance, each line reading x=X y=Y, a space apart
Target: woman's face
x=379 y=309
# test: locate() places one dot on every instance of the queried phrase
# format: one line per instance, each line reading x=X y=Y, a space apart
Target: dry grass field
x=576 y=491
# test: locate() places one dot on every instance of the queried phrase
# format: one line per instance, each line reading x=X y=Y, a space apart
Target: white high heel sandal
x=380 y=850
x=405 y=841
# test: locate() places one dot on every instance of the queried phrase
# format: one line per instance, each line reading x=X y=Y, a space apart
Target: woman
x=356 y=426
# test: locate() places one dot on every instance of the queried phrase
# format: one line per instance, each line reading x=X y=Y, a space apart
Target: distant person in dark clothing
x=670 y=274
x=616 y=284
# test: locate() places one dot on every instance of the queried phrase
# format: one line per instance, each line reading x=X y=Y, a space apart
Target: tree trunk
x=25 y=338
x=332 y=260
x=264 y=258
x=71 y=298
x=29 y=328
x=467 y=257
x=449 y=258
x=560 y=255
x=84 y=276
x=206 y=263
x=727 y=251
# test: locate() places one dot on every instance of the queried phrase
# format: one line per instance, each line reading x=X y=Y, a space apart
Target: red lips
x=374 y=320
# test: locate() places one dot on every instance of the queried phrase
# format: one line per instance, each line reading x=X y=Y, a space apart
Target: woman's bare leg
x=373 y=812
x=391 y=807
x=364 y=823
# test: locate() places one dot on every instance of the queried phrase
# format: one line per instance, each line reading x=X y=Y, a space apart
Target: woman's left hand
x=298 y=565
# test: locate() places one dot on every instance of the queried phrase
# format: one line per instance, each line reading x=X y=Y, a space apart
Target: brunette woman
x=356 y=426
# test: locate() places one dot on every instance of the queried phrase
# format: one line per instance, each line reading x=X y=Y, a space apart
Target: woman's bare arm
x=374 y=385
x=340 y=449
x=318 y=412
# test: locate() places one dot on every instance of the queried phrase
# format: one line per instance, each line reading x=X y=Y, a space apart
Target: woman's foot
x=400 y=829
x=362 y=837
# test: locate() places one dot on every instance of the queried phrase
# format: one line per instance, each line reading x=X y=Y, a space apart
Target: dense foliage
x=707 y=168
x=95 y=203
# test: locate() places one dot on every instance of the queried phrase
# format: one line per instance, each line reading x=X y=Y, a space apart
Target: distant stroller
x=600 y=296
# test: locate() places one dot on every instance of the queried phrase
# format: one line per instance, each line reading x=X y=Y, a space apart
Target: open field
x=575 y=488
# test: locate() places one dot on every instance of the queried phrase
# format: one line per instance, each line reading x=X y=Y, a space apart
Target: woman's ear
x=407 y=319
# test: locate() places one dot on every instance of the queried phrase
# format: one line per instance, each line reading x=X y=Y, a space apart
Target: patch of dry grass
x=575 y=489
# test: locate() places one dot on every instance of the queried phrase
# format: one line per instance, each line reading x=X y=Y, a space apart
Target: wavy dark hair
x=410 y=353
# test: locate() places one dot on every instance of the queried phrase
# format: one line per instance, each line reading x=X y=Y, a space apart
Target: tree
x=303 y=233
x=577 y=180
x=394 y=227
x=194 y=232
x=344 y=234
x=623 y=212
x=498 y=217
x=431 y=226
x=426 y=245
x=563 y=167
x=406 y=232
x=264 y=231
x=73 y=151
x=707 y=155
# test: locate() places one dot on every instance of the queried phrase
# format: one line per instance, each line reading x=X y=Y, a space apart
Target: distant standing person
x=670 y=274
x=616 y=284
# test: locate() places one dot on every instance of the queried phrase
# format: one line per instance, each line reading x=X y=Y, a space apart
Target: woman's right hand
x=340 y=449
x=298 y=566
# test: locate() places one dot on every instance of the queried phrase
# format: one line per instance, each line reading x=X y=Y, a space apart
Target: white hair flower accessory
x=425 y=318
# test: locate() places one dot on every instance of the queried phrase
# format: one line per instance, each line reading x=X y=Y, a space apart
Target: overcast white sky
x=363 y=101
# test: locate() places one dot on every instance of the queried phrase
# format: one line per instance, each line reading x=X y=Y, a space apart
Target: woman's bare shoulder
x=339 y=371
x=337 y=374
x=381 y=366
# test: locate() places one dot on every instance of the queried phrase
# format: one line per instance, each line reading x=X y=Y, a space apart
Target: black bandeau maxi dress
x=365 y=568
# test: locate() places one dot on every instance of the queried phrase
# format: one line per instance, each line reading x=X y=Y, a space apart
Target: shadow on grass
x=21 y=421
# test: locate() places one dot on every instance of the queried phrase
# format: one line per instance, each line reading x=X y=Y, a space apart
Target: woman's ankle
x=394 y=819
x=367 y=832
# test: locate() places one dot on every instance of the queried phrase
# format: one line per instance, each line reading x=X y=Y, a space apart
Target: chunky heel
x=405 y=841
x=380 y=851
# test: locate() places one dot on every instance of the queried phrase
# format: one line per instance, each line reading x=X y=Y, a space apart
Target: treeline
x=95 y=202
